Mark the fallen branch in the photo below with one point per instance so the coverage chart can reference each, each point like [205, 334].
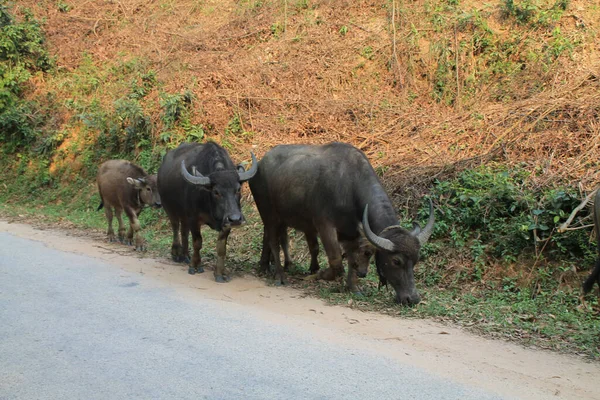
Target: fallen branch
[565, 225]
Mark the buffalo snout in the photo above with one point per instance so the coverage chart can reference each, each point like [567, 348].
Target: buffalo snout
[234, 219]
[408, 299]
[361, 273]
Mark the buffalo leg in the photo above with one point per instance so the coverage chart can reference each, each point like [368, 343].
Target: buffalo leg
[280, 277]
[351, 249]
[109, 219]
[265, 255]
[220, 275]
[134, 230]
[284, 240]
[197, 243]
[334, 255]
[118, 212]
[594, 277]
[185, 241]
[313, 247]
[176, 253]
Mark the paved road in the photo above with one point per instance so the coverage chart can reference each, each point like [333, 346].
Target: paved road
[73, 327]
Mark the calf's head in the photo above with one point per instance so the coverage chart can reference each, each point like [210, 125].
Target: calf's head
[147, 189]
[397, 254]
[225, 189]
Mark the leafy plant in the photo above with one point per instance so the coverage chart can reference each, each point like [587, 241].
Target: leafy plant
[22, 53]
[492, 215]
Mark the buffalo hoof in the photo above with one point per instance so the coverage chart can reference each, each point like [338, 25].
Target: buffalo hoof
[192, 271]
[263, 269]
[329, 274]
[222, 278]
[181, 259]
[128, 242]
[280, 280]
[141, 247]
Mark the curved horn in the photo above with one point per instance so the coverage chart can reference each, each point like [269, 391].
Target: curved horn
[244, 176]
[424, 235]
[198, 179]
[377, 241]
[416, 229]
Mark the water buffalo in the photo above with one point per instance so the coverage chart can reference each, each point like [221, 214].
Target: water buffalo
[209, 194]
[125, 186]
[329, 190]
[595, 275]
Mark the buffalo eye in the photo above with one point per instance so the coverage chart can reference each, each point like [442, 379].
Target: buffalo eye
[368, 254]
[148, 189]
[397, 262]
[216, 193]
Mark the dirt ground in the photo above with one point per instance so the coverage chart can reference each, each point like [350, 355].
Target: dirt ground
[500, 367]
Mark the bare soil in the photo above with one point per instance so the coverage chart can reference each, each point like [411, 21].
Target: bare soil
[500, 367]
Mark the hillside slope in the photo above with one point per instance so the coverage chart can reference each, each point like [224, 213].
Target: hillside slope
[412, 83]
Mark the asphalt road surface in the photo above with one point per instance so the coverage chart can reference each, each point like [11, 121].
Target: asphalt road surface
[74, 326]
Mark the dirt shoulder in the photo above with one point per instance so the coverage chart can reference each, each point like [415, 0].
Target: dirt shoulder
[497, 366]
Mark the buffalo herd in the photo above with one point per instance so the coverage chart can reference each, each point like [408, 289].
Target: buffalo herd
[329, 191]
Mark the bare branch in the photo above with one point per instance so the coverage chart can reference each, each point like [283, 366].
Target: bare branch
[565, 225]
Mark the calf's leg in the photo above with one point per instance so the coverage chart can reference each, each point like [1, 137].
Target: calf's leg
[134, 230]
[109, 219]
[118, 212]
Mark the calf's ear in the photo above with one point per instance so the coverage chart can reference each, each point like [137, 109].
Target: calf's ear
[136, 183]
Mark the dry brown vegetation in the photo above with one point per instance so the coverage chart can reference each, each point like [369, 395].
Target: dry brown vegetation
[408, 82]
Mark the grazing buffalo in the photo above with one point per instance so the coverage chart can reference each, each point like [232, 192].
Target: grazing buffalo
[199, 184]
[125, 186]
[595, 275]
[329, 190]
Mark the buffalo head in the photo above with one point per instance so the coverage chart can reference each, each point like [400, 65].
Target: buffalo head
[224, 186]
[397, 254]
[147, 189]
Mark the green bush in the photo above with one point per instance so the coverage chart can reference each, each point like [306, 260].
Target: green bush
[496, 215]
[22, 53]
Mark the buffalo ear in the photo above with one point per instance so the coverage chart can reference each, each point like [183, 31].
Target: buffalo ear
[136, 183]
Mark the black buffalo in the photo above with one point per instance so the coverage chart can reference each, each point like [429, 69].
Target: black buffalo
[199, 184]
[595, 275]
[329, 190]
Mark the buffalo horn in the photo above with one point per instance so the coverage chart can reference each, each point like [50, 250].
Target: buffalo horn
[198, 179]
[244, 176]
[377, 241]
[416, 229]
[424, 235]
